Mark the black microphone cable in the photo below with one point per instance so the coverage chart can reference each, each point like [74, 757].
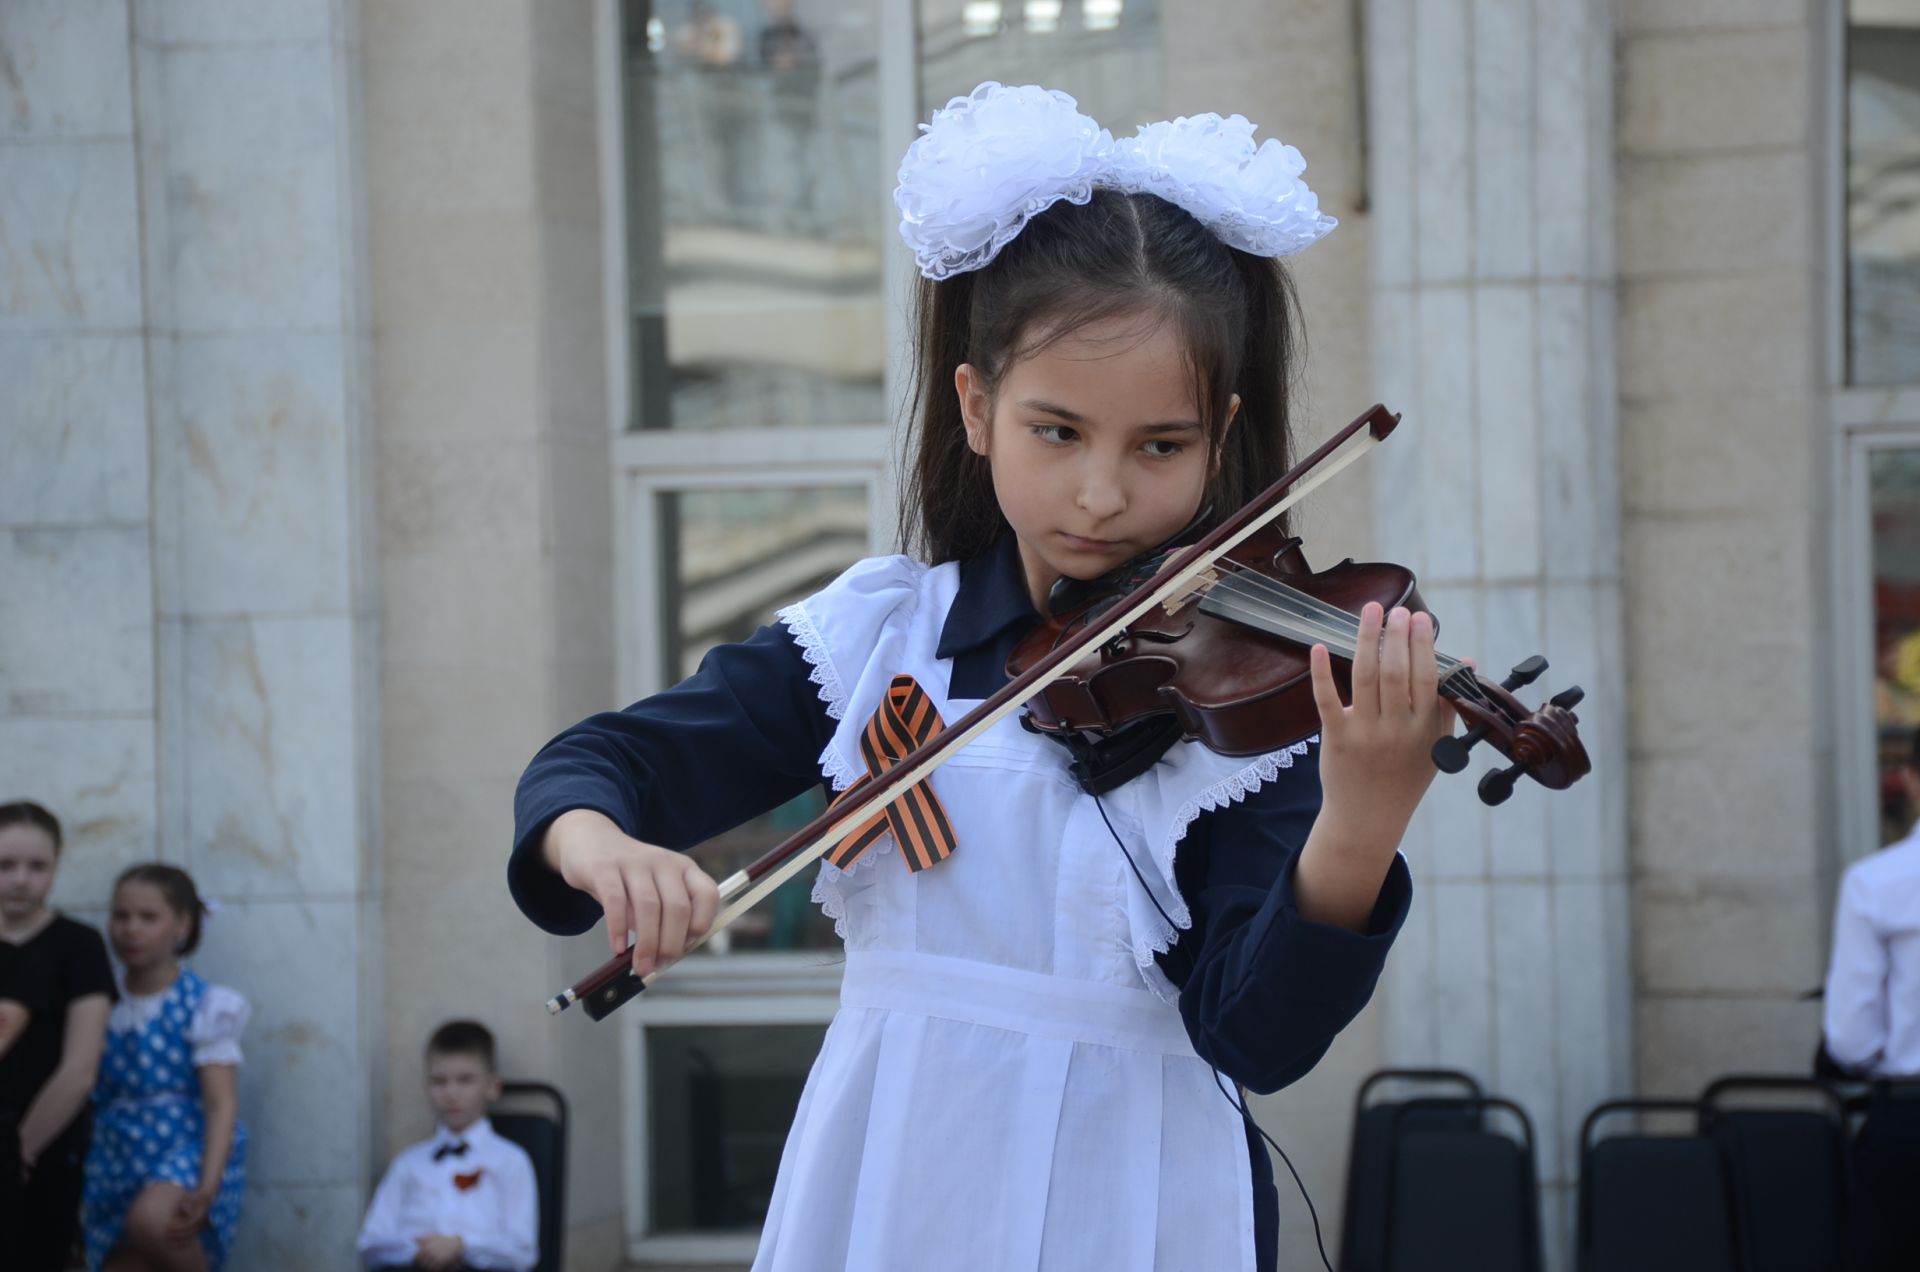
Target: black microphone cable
[1239, 1102]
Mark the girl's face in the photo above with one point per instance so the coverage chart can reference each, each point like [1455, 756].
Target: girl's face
[27, 860]
[145, 928]
[1096, 444]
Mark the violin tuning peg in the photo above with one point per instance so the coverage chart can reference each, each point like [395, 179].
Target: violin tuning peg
[1450, 752]
[1569, 698]
[1524, 673]
[1497, 786]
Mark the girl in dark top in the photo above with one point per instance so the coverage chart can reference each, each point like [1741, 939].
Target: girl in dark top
[46, 1077]
[1029, 1069]
[14, 1016]
[14, 1012]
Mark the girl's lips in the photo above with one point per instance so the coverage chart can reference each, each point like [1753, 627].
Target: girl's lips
[1089, 545]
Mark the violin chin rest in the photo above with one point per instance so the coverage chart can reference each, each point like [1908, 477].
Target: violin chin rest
[1101, 764]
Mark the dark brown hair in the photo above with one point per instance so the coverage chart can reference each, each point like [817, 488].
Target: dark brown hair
[463, 1038]
[1118, 254]
[24, 812]
[176, 885]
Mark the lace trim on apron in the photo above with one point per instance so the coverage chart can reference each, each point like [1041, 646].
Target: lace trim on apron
[1151, 934]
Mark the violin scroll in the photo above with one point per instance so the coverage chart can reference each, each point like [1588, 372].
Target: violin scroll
[1543, 744]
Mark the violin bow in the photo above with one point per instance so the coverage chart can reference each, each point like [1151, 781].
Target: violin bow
[614, 983]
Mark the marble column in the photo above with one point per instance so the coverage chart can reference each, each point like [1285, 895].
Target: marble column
[495, 531]
[268, 741]
[77, 702]
[185, 670]
[1493, 332]
[1727, 448]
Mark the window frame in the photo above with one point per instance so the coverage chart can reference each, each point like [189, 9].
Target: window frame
[1861, 420]
[822, 461]
[742, 990]
[750, 987]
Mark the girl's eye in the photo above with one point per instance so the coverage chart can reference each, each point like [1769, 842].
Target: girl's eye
[1053, 434]
[1162, 449]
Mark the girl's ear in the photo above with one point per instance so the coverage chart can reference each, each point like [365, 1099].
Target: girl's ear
[976, 406]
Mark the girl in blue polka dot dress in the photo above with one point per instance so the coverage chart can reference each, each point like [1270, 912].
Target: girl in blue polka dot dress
[168, 1162]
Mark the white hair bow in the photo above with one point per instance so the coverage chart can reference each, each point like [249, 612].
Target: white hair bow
[991, 161]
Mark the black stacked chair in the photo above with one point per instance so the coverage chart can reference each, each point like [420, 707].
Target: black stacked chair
[1654, 1203]
[1786, 1167]
[1363, 1240]
[1884, 1175]
[1461, 1194]
[544, 1135]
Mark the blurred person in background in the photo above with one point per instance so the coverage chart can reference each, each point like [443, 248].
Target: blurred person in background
[14, 1017]
[466, 1196]
[1872, 1031]
[168, 1164]
[47, 1075]
[791, 59]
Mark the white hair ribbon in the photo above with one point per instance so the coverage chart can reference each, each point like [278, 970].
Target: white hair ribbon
[991, 161]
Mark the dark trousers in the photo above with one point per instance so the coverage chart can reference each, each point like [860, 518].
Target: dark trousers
[50, 1202]
[12, 1191]
[1883, 1220]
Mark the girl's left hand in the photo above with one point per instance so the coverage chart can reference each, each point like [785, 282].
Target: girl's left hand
[1376, 756]
[189, 1214]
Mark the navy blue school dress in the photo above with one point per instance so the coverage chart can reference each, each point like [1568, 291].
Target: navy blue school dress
[149, 1126]
[1020, 1074]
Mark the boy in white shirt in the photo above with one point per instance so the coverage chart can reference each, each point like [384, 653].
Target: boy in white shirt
[466, 1197]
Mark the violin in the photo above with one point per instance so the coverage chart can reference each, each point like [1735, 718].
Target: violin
[1244, 609]
[1226, 664]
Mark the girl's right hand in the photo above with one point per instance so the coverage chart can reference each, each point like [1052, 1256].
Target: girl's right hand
[657, 894]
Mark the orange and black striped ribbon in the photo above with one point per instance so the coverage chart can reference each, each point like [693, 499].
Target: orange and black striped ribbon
[905, 719]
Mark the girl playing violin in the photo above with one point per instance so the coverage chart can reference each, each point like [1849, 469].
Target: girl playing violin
[1043, 986]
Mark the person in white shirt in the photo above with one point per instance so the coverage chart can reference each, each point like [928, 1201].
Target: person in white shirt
[466, 1197]
[1872, 1030]
[1872, 1022]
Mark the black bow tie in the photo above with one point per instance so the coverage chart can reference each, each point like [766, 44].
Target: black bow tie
[456, 1149]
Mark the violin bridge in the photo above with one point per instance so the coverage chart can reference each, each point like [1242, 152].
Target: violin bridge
[1202, 583]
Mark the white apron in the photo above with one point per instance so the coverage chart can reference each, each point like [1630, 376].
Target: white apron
[1007, 1084]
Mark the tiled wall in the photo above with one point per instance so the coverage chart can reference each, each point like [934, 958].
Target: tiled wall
[494, 525]
[187, 666]
[1491, 134]
[1722, 299]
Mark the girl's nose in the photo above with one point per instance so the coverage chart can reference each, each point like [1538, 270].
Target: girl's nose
[1100, 495]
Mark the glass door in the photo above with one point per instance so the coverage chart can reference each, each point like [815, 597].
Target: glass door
[750, 421]
[763, 321]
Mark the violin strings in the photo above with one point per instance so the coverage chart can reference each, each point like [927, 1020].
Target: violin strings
[1459, 684]
[1319, 616]
[1324, 622]
[1333, 616]
[1457, 674]
[1233, 597]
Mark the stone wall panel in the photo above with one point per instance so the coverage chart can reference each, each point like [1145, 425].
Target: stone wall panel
[63, 69]
[74, 448]
[76, 620]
